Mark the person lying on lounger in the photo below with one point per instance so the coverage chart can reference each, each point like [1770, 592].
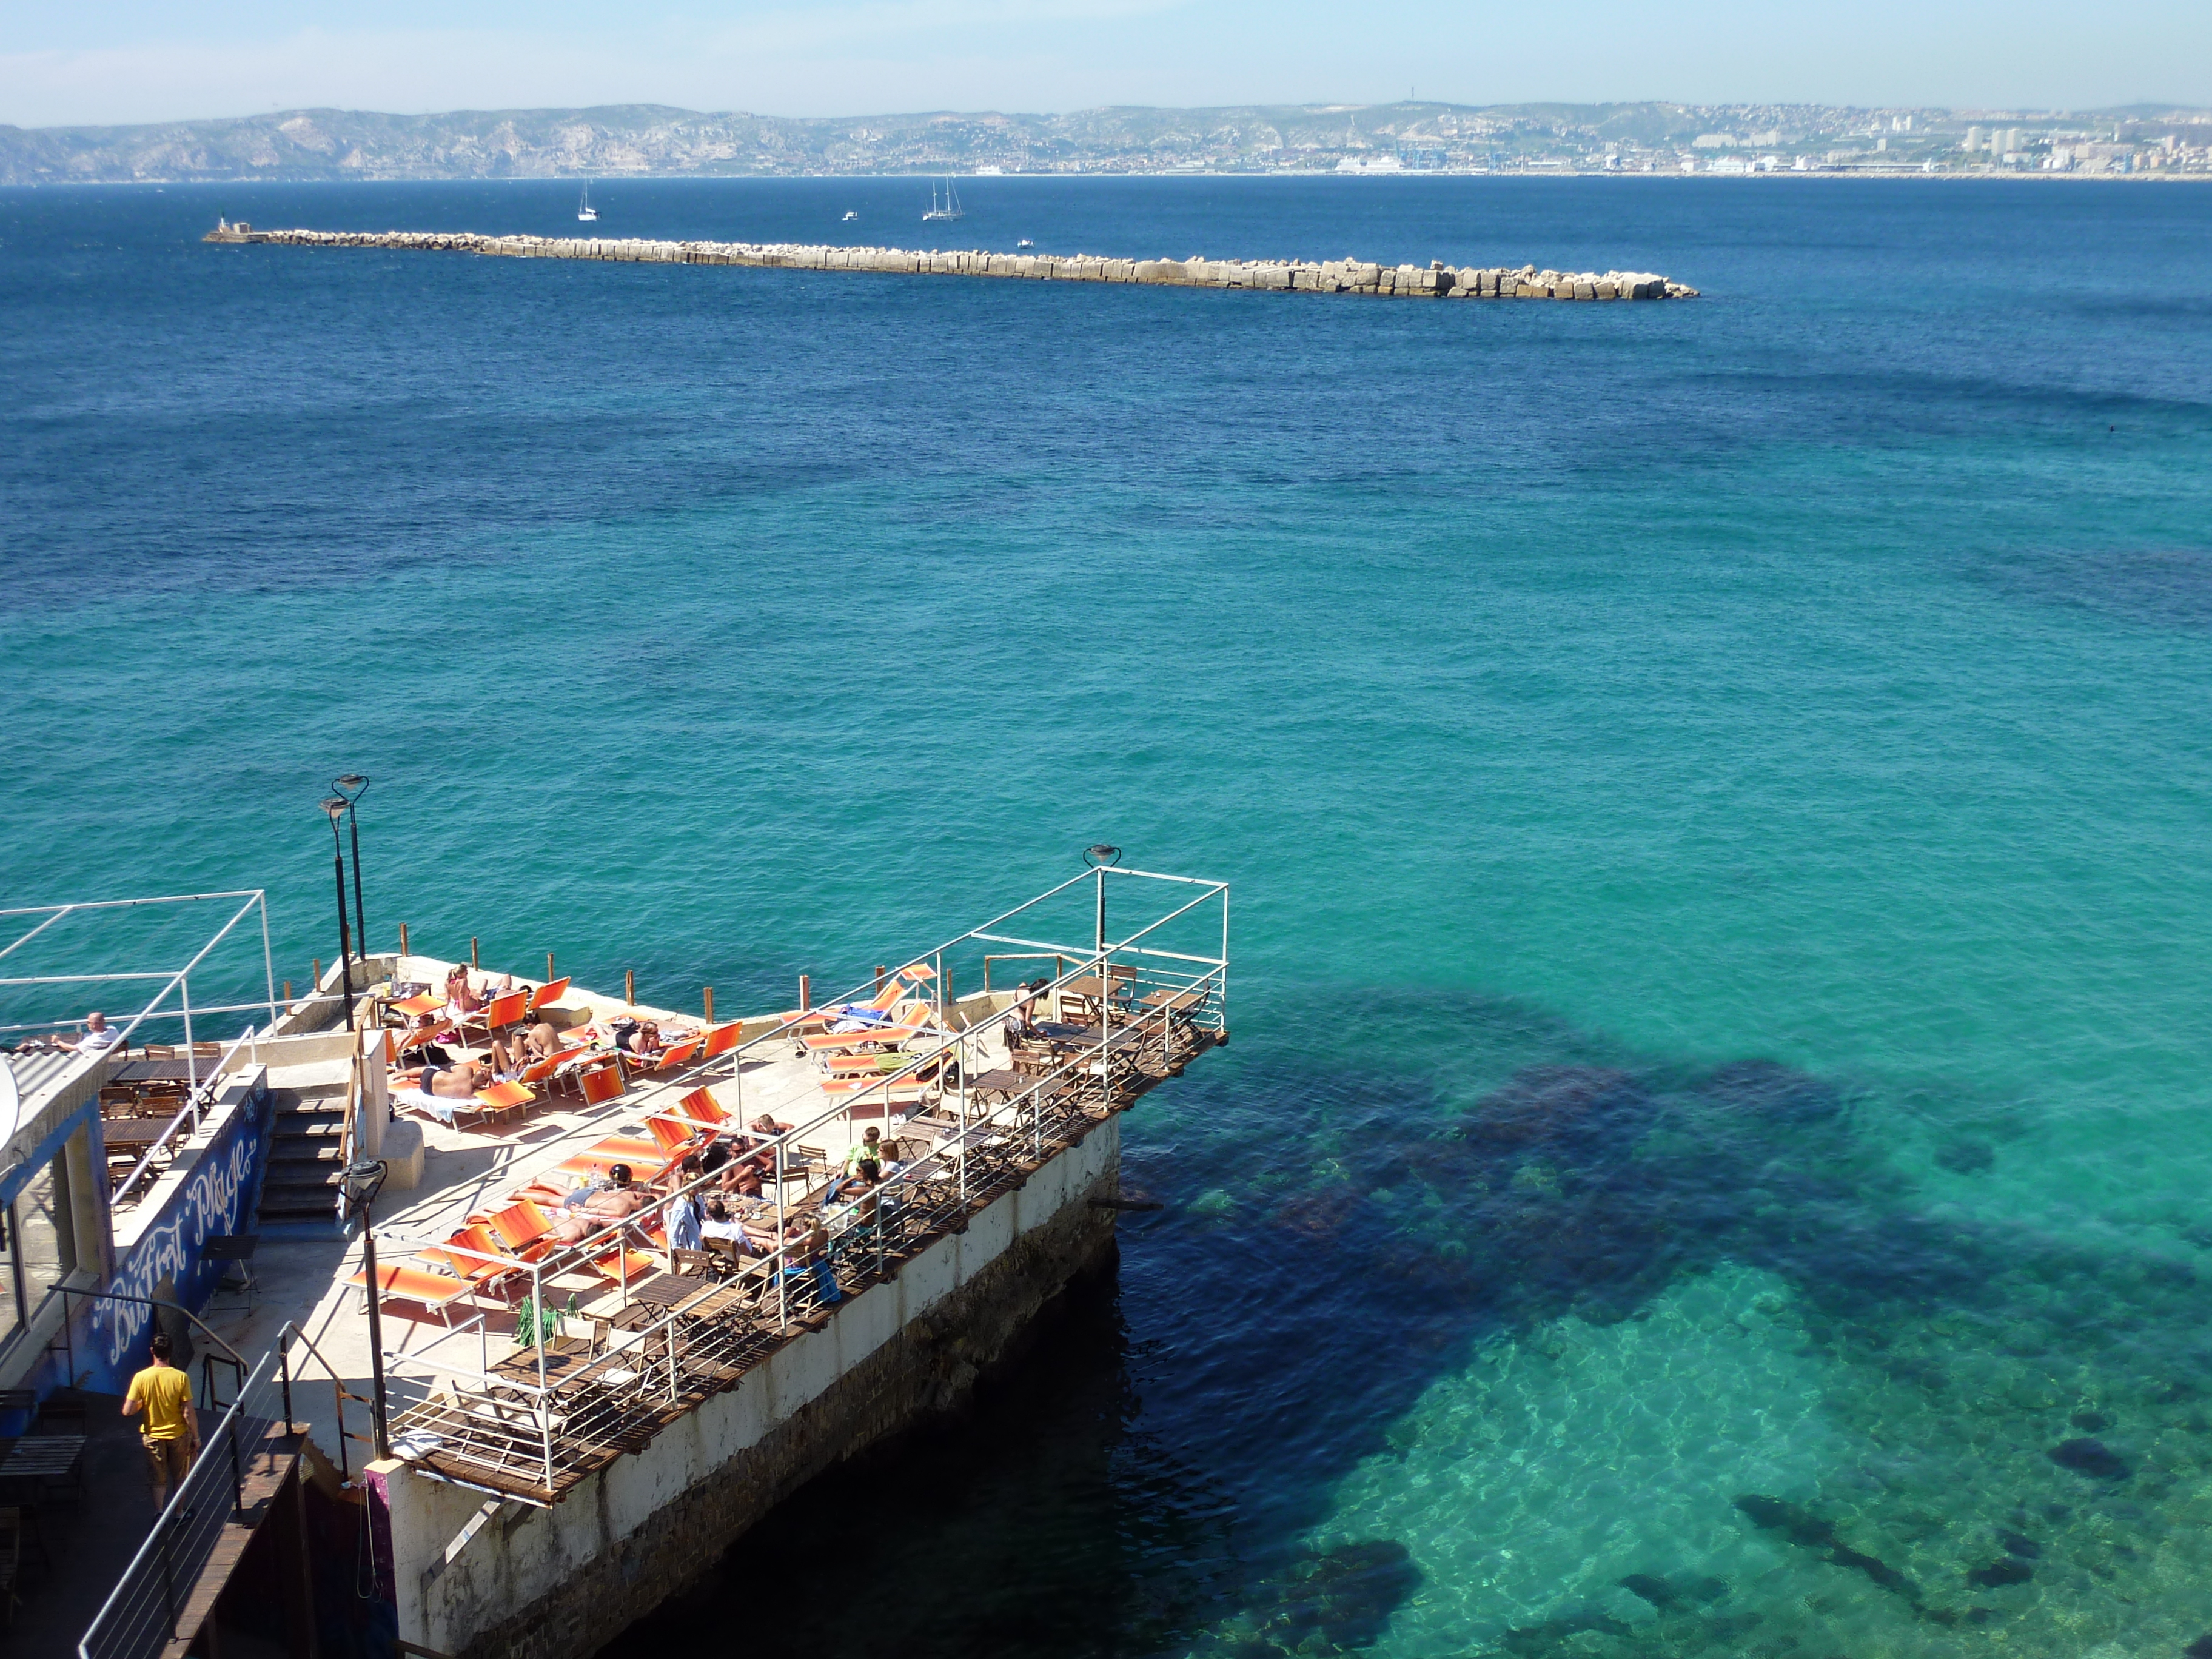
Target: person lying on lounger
[459, 1082]
[616, 1201]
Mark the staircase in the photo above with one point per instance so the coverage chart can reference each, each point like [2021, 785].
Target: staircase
[300, 1189]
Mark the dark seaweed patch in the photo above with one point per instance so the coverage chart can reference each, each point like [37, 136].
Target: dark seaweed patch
[2004, 1572]
[2026, 1548]
[2090, 1422]
[1802, 1527]
[2090, 1457]
[1967, 1156]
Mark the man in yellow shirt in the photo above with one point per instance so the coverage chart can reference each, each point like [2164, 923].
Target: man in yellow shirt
[171, 1429]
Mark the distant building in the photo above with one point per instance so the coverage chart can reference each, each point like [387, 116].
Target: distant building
[1714, 141]
[1973, 139]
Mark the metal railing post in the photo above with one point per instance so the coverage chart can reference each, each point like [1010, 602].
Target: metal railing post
[191, 1055]
[284, 1368]
[168, 1580]
[237, 1470]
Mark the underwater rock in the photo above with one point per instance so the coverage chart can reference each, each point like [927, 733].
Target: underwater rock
[2090, 1457]
[1667, 1593]
[1967, 1156]
[2006, 1572]
[1346, 1595]
[1555, 1103]
[2026, 1548]
[2200, 1648]
[1554, 1635]
[2090, 1422]
[1803, 1527]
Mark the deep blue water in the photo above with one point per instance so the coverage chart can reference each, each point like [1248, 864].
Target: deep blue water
[1715, 794]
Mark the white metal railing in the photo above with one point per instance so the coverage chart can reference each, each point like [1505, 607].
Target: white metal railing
[168, 981]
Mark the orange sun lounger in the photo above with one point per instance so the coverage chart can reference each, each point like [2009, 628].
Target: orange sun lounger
[547, 992]
[912, 1019]
[435, 1291]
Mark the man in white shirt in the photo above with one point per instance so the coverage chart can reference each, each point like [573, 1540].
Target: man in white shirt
[98, 1036]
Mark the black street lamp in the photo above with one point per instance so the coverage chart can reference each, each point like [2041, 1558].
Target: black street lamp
[362, 1181]
[1102, 857]
[336, 805]
[349, 789]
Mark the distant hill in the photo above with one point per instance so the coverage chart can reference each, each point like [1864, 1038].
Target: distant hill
[648, 139]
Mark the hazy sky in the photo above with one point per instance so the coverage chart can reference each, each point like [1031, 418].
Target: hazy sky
[142, 60]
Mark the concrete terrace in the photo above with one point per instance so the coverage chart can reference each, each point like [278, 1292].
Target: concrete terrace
[640, 1330]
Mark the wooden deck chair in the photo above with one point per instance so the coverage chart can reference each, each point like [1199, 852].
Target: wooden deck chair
[417, 1038]
[547, 992]
[906, 1091]
[437, 1292]
[537, 1071]
[601, 1084]
[719, 1041]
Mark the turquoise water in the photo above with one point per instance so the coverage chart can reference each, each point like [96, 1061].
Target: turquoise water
[1715, 795]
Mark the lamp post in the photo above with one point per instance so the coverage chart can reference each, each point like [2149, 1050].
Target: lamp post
[336, 806]
[349, 789]
[1101, 858]
[362, 1181]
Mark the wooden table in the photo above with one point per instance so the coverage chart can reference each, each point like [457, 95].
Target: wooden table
[164, 1070]
[41, 1457]
[1002, 1083]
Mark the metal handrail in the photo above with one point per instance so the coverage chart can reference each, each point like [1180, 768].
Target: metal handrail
[200, 1097]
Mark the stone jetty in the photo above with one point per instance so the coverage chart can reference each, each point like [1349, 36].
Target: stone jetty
[1434, 280]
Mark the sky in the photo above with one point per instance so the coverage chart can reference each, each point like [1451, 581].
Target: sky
[118, 61]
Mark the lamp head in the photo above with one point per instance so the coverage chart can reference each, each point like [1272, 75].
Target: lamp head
[1102, 856]
[352, 787]
[362, 1181]
[336, 806]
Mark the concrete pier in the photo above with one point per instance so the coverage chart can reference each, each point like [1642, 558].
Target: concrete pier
[1434, 280]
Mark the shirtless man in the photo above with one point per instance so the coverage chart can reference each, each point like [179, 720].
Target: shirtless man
[459, 1082]
[618, 1200]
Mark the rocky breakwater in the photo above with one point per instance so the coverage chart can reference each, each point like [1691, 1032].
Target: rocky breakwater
[1436, 281]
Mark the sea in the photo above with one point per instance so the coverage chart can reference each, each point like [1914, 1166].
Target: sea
[1714, 1151]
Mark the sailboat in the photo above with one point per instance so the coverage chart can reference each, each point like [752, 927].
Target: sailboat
[850, 216]
[586, 213]
[948, 208]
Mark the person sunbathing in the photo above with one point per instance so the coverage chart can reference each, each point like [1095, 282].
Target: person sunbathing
[421, 1044]
[459, 1082]
[541, 1040]
[616, 1201]
[461, 997]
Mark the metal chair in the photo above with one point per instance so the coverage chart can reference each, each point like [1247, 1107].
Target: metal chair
[237, 1249]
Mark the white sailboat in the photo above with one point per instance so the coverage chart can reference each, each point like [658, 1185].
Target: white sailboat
[850, 216]
[948, 207]
[586, 213]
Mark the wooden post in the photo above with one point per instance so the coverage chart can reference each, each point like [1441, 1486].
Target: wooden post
[549, 967]
[806, 993]
[880, 979]
[403, 950]
[288, 995]
[473, 962]
[629, 987]
[315, 985]
[710, 1004]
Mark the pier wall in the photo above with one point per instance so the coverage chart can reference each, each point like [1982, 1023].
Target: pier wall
[559, 1582]
[1434, 281]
